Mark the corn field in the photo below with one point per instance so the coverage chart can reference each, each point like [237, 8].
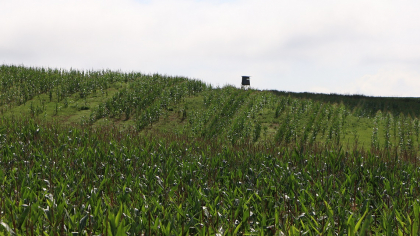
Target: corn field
[163, 155]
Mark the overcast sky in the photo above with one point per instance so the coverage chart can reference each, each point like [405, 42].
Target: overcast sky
[358, 46]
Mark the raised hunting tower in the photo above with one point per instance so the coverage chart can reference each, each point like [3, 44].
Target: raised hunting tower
[245, 82]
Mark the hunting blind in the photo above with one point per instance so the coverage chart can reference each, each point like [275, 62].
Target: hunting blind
[245, 82]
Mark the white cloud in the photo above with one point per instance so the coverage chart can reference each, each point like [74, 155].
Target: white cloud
[285, 45]
[398, 82]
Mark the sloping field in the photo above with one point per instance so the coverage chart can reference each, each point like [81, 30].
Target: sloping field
[112, 153]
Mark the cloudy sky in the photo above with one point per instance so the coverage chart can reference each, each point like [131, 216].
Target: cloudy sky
[367, 47]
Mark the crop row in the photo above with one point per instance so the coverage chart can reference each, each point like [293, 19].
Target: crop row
[146, 97]
[20, 84]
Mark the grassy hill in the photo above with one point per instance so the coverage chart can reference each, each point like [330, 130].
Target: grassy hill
[110, 152]
[155, 103]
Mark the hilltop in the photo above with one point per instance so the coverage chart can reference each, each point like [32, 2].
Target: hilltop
[156, 103]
